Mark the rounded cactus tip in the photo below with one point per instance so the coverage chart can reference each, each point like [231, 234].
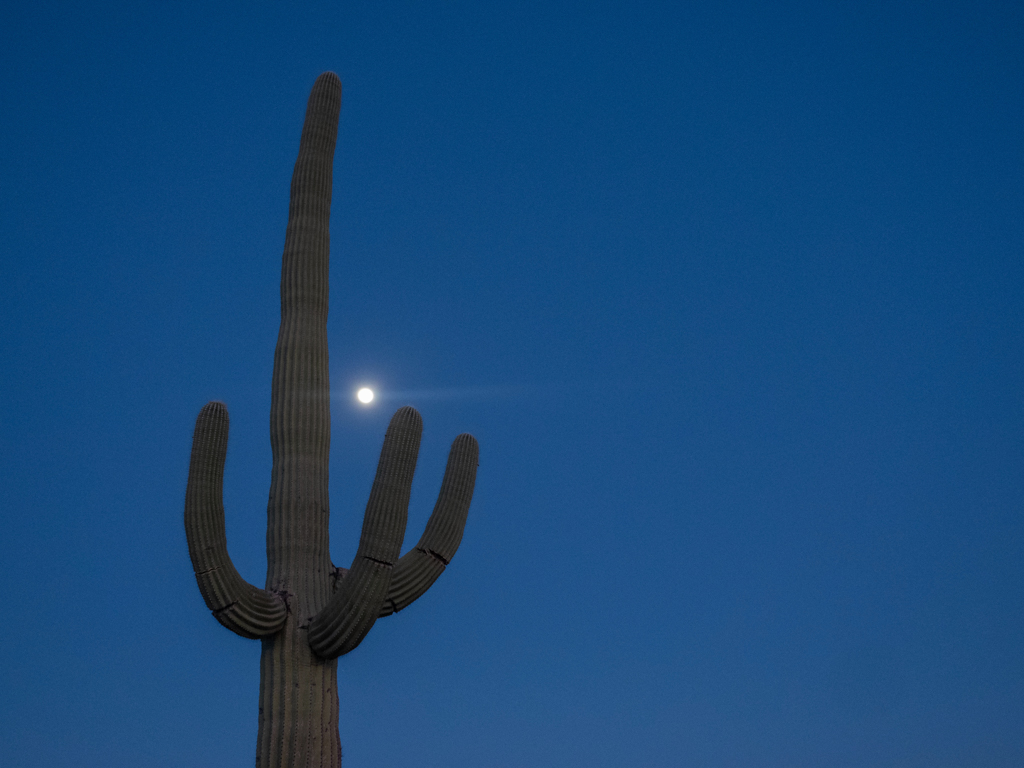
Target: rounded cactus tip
[465, 442]
[406, 413]
[327, 80]
[214, 409]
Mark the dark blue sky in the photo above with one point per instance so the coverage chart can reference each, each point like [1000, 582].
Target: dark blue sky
[730, 293]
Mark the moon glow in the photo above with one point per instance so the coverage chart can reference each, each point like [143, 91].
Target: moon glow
[365, 395]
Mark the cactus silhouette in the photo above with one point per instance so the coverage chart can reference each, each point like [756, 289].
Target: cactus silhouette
[310, 611]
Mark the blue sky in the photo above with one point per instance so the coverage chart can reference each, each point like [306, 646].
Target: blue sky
[730, 293]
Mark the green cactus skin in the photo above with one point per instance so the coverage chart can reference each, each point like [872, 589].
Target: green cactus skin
[311, 612]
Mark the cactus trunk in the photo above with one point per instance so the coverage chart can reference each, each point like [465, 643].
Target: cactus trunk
[311, 612]
[298, 712]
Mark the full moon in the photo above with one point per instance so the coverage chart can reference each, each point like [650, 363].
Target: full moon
[365, 395]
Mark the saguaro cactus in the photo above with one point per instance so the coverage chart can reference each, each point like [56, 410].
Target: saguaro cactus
[311, 612]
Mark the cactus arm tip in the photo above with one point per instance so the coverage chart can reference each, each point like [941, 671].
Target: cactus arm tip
[419, 568]
[239, 606]
[353, 608]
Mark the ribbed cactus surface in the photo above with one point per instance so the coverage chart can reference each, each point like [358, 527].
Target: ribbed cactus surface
[310, 612]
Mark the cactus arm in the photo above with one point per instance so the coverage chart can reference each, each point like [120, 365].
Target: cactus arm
[238, 605]
[353, 608]
[418, 568]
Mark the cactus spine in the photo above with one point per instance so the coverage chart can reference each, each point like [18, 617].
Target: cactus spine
[311, 612]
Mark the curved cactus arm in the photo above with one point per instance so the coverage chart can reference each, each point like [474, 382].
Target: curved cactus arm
[353, 608]
[419, 568]
[238, 605]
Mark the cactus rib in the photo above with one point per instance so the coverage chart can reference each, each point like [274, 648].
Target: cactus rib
[239, 606]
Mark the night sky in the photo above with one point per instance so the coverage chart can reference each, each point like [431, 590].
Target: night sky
[730, 294]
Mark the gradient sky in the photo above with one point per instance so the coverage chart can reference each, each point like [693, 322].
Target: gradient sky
[730, 293]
